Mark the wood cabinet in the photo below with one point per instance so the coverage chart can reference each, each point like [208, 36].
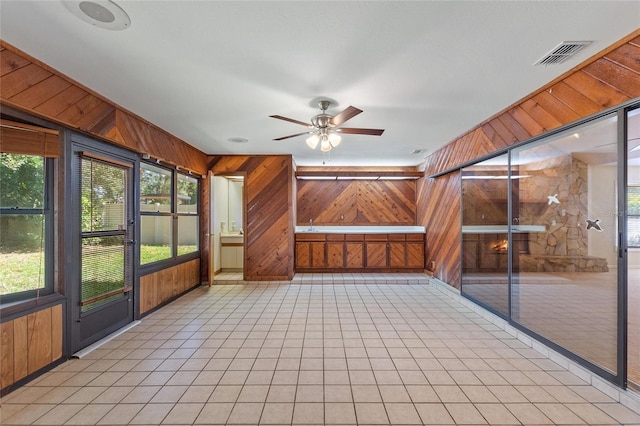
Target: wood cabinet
[359, 252]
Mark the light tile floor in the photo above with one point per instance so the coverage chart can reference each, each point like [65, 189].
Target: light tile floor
[293, 354]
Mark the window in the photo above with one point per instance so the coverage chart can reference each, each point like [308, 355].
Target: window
[633, 216]
[168, 214]
[25, 226]
[187, 199]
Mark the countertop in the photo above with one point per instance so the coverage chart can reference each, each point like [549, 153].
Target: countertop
[361, 230]
[501, 229]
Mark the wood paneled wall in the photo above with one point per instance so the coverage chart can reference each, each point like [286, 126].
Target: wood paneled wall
[29, 343]
[356, 202]
[158, 287]
[439, 211]
[610, 78]
[269, 197]
[31, 86]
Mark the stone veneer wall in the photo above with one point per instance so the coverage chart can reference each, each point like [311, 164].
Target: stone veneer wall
[566, 234]
[564, 245]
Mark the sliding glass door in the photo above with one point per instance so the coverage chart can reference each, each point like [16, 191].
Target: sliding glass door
[633, 248]
[564, 212]
[551, 241]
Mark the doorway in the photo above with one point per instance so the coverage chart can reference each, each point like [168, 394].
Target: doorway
[103, 217]
[228, 242]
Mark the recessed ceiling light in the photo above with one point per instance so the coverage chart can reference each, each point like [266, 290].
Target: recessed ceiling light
[100, 13]
[238, 140]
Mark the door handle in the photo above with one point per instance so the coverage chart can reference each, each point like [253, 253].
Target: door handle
[129, 241]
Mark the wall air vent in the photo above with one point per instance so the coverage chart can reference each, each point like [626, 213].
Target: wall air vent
[562, 52]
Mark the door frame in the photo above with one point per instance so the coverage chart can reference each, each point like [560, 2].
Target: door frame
[76, 143]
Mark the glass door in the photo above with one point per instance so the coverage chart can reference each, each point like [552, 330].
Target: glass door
[565, 278]
[103, 291]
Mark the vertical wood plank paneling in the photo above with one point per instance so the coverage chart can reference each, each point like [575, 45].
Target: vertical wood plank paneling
[20, 348]
[6, 355]
[39, 339]
[56, 332]
[158, 287]
[30, 343]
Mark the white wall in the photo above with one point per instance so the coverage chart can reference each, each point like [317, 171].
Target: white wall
[219, 209]
[633, 256]
[602, 200]
[602, 205]
[235, 205]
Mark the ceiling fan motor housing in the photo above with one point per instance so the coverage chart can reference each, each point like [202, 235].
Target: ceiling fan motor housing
[321, 120]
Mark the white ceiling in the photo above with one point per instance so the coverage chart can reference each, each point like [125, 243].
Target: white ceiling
[426, 71]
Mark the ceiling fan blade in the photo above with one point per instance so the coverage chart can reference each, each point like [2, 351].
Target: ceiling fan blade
[291, 120]
[292, 136]
[354, 131]
[345, 115]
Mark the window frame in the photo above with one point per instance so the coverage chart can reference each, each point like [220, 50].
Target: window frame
[174, 259]
[47, 212]
[636, 216]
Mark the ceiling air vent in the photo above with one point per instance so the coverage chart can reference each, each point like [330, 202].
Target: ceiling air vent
[418, 151]
[562, 52]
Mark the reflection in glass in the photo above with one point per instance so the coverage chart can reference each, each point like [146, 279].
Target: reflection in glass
[633, 254]
[484, 233]
[564, 282]
[155, 188]
[103, 197]
[187, 194]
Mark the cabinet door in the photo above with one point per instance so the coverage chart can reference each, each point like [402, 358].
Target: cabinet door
[335, 254]
[355, 258]
[397, 257]
[303, 255]
[240, 257]
[318, 259]
[376, 254]
[227, 257]
[415, 255]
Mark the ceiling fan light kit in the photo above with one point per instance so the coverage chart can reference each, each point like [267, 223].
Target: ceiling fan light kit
[325, 127]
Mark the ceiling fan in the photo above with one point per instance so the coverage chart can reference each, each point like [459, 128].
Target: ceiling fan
[325, 128]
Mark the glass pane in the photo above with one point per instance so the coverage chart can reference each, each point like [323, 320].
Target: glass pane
[187, 194]
[21, 181]
[21, 252]
[103, 196]
[155, 188]
[156, 238]
[564, 284]
[633, 254]
[103, 270]
[484, 233]
[187, 234]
